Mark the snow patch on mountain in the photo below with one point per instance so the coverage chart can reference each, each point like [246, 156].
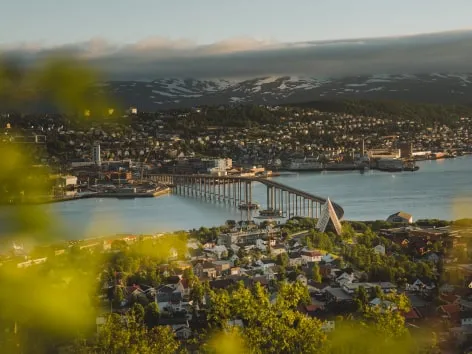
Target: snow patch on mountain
[164, 93]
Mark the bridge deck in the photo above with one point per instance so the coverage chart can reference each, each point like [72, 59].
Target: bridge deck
[269, 183]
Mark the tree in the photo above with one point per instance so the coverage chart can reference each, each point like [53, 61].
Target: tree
[197, 292]
[282, 259]
[378, 293]
[151, 315]
[316, 273]
[361, 298]
[119, 335]
[220, 308]
[137, 311]
[118, 297]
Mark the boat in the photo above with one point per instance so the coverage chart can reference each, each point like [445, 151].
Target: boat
[411, 168]
[271, 213]
[249, 206]
[341, 166]
[306, 164]
[390, 165]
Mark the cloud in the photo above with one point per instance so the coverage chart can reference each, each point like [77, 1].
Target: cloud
[246, 57]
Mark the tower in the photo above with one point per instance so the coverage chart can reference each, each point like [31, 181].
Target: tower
[96, 154]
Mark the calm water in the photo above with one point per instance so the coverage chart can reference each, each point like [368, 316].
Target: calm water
[440, 189]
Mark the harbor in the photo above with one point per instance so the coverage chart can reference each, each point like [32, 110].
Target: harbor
[439, 189]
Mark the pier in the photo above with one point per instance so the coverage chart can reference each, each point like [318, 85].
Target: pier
[237, 190]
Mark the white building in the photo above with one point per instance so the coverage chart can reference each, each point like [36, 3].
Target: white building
[379, 249]
[68, 180]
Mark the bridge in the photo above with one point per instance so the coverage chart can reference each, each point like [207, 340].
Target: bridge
[238, 191]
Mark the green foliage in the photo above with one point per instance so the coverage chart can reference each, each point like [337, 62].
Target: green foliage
[124, 335]
[118, 297]
[316, 273]
[282, 260]
[270, 328]
[137, 311]
[361, 298]
[151, 315]
[320, 240]
[395, 110]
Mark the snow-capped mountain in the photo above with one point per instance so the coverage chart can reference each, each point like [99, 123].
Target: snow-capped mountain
[174, 93]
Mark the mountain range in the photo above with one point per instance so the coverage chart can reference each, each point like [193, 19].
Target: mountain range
[178, 93]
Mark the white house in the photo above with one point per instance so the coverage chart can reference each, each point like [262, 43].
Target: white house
[419, 285]
[311, 256]
[328, 326]
[379, 249]
[383, 304]
[182, 331]
[219, 251]
[345, 278]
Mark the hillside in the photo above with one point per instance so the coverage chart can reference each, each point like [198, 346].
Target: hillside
[176, 93]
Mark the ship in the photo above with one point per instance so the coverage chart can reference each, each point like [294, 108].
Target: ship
[248, 206]
[341, 167]
[306, 164]
[390, 165]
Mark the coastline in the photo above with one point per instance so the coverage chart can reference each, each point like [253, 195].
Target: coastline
[100, 195]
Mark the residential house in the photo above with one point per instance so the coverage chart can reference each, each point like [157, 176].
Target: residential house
[235, 271]
[383, 304]
[336, 295]
[205, 270]
[345, 278]
[466, 318]
[450, 312]
[179, 325]
[379, 249]
[295, 259]
[420, 285]
[401, 217]
[328, 326]
[278, 249]
[311, 255]
[219, 251]
[222, 267]
[413, 315]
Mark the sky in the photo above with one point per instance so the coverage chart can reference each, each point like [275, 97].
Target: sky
[180, 37]
[206, 21]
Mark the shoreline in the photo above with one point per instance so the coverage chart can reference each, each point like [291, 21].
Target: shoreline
[98, 195]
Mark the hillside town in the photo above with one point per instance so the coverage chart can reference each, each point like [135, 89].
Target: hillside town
[266, 136]
[366, 266]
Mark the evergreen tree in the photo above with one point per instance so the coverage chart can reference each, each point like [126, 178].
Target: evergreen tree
[316, 273]
[151, 315]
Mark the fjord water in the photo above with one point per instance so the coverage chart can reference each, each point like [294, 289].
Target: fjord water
[440, 189]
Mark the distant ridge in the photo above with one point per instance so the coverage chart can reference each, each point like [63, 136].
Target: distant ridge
[182, 93]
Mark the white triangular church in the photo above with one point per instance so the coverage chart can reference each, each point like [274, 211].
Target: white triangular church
[328, 213]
